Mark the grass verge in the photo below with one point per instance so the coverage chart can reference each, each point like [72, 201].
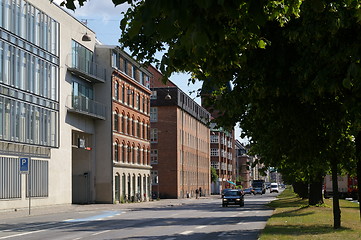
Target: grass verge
[294, 219]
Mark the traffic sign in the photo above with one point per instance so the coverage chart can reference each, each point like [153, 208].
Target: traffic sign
[24, 164]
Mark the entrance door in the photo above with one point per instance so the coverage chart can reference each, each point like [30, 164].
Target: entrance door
[117, 188]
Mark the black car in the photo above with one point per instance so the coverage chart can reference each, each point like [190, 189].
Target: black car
[258, 191]
[248, 191]
[225, 190]
[233, 197]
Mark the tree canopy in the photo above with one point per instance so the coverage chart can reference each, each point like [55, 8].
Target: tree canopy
[295, 67]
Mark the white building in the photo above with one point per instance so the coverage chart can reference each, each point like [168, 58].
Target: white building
[55, 108]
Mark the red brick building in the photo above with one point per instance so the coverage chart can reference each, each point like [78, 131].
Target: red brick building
[130, 128]
[179, 142]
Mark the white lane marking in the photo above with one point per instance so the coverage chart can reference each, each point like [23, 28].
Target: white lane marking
[97, 233]
[186, 232]
[32, 226]
[200, 227]
[38, 231]
[243, 223]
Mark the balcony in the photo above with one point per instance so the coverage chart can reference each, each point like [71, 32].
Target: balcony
[85, 106]
[85, 69]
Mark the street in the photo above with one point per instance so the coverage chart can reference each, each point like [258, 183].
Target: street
[203, 218]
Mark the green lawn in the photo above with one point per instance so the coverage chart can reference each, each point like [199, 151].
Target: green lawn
[293, 219]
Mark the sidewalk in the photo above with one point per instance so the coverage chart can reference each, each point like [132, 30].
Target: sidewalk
[53, 209]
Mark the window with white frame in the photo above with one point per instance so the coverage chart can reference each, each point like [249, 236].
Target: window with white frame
[154, 175]
[154, 135]
[215, 165]
[153, 156]
[214, 152]
[214, 138]
[153, 114]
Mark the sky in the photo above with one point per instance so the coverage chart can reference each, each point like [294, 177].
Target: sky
[103, 18]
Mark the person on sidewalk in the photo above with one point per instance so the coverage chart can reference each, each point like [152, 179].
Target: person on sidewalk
[197, 193]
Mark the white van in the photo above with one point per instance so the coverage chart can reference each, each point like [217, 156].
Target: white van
[274, 187]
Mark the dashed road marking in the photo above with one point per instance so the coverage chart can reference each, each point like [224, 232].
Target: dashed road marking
[186, 232]
[200, 227]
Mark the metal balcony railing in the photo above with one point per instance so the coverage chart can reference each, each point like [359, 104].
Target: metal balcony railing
[86, 106]
[85, 68]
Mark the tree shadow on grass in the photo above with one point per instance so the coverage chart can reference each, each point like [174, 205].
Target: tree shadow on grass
[288, 203]
[292, 213]
[298, 230]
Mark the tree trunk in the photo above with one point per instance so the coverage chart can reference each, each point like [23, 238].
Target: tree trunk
[358, 159]
[315, 196]
[301, 189]
[335, 200]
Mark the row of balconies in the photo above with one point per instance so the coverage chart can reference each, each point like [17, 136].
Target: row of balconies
[224, 166]
[91, 72]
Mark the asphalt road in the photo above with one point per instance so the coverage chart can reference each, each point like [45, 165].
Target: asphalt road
[194, 219]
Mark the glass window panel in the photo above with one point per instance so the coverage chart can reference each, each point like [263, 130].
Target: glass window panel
[2, 60]
[7, 55]
[2, 116]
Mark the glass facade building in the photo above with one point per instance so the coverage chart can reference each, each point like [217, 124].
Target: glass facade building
[29, 75]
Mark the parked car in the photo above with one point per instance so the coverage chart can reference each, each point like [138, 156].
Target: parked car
[233, 197]
[258, 190]
[248, 191]
[274, 188]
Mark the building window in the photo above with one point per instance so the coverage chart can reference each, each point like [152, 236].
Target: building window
[129, 92]
[153, 114]
[138, 102]
[145, 133]
[124, 124]
[214, 139]
[129, 155]
[154, 175]
[82, 58]
[116, 90]
[134, 99]
[124, 153]
[134, 72]
[116, 121]
[215, 165]
[116, 153]
[138, 129]
[123, 94]
[10, 179]
[214, 152]
[125, 66]
[154, 156]
[143, 103]
[139, 156]
[154, 95]
[129, 131]
[39, 179]
[154, 135]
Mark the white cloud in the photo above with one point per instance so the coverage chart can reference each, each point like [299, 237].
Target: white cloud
[103, 10]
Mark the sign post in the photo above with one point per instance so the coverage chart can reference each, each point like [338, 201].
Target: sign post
[25, 169]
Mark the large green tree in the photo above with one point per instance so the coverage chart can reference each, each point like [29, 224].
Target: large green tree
[317, 47]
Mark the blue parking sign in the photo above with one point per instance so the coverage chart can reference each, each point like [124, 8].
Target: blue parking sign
[24, 164]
